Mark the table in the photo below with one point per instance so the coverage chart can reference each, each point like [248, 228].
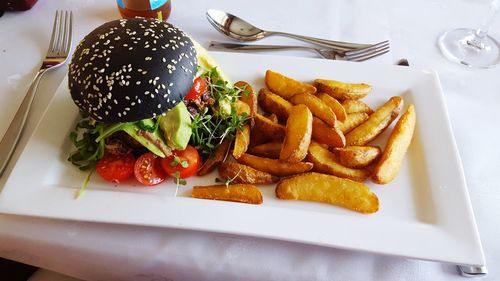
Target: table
[94, 251]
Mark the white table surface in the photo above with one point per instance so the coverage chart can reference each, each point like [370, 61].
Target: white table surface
[94, 251]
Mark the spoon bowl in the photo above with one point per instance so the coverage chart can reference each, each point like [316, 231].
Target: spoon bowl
[234, 27]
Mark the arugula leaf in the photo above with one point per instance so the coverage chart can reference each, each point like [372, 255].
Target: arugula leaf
[88, 150]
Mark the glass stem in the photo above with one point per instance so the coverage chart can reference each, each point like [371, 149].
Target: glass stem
[477, 40]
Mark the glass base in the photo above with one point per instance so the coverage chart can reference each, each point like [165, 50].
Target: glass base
[460, 45]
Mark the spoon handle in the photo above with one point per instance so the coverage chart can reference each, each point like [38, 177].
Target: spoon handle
[343, 46]
[242, 47]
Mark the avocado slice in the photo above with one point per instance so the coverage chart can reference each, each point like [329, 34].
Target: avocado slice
[152, 140]
[176, 126]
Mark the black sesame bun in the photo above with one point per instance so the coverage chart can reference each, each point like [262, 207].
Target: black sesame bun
[131, 69]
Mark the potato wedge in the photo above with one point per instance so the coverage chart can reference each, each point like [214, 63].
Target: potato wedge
[243, 193]
[241, 141]
[274, 166]
[329, 189]
[273, 117]
[240, 173]
[397, 145]
[331, 136]
[334, 104]
[353, 106]
[242, 107]
[357, 156]
[249, 97]
[376, 123]
[341, 90]
[318, 107]
[352, 121]
[297, 134]
[272, 103]
[257, 137]
[268, 150]
[325, 161]
[285, 86]
[270, 129]
[216, 158]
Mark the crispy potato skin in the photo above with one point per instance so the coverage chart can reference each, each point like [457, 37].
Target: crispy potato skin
[240, 173]
[397, 145]
[376, 123]
[249, 97]
[298, 132]
[341, 90]
[334, 104]
[357, 156]
[331, 136]
[317, 107]
[243, 193]
[268, 150]
[352, 121]
[273, 118]
[241, 141]
[257, 138]
[286, 86]
[242, 107]
[328, 189]
[215, 159]
[274, 166]
[270, 129]
[272, 103]
[353, 106]
[326, 162]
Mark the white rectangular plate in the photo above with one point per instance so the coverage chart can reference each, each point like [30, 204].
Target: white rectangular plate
[425, 212]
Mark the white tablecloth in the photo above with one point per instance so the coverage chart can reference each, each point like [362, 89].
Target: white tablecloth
[96, 251]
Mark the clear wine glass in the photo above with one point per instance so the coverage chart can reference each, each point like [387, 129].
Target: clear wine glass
[473, 47]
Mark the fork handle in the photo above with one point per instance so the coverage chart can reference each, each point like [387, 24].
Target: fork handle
[243, 47]
[16, 127]
[343, 46]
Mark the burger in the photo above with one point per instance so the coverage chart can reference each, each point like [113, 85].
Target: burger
[145, 85]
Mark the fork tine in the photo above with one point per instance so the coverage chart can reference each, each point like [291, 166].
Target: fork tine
[52, 37]
[367, 52]
[58, 34]
[379, 45]
[370, 55]
[64, 43]
[70, 32]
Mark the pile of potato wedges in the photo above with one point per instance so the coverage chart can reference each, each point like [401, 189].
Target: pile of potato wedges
[313, 141]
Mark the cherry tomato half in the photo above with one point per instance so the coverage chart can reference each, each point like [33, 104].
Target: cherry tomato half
[147, 169]
[199, 88]
[116, 168]
[186, 162]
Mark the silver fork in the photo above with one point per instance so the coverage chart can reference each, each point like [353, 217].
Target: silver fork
[60, 45]
[357, 55]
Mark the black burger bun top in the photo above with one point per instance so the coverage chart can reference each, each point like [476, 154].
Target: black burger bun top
[131, 69]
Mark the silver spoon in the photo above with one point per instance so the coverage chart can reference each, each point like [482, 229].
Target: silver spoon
[238, 29]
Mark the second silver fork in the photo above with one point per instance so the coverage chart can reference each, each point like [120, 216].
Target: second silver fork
[327, 53]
